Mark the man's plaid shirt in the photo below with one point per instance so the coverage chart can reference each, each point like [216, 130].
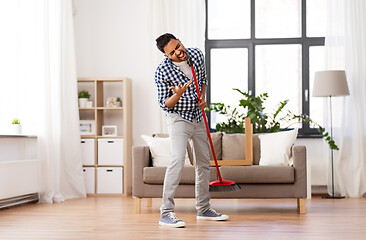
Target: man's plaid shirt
[169, 75]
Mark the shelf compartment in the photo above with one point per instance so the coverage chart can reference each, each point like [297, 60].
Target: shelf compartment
[89, 178]
[110, 151]
[88, 151]
[87, 86]
[110, 180]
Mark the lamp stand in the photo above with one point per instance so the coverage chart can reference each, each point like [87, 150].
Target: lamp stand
[331, 137]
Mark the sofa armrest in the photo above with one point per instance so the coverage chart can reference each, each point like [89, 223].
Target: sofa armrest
[299, 157]
[140, 159]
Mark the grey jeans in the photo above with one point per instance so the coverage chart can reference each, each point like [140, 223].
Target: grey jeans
[180, 130]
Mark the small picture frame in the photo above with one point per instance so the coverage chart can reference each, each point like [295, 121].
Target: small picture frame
[87, 127]
[110, 130]
[110, 102]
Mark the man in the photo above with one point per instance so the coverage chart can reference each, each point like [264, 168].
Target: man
[177, 96]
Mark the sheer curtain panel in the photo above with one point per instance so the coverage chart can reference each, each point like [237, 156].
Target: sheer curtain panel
[39, 87]
[346, 50]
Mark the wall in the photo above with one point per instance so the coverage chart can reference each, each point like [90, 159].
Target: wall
[317, 165]
[113, 39]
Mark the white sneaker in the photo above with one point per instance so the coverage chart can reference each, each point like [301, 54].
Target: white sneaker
[211, 214]
[170, 220]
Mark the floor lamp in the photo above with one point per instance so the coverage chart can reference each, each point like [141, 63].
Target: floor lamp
[330, 84]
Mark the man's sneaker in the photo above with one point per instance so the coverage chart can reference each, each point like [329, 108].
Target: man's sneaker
[170, 220]
[211, 214]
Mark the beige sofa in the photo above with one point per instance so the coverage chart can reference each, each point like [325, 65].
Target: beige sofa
[256, 181]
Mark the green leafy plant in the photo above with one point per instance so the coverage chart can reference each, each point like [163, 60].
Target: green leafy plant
[305, 119]
[84, 94]
[15, 121]
[118, 99]
[253, 107]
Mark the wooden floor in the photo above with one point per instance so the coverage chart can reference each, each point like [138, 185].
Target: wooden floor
[114, 218]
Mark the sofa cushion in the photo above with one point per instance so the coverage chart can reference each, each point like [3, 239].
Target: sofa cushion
[217, 143]
[258, 174]
[155, 175]
[233, 146]
[256, 149]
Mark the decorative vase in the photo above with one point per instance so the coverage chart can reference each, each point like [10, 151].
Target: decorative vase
[83, 102]
[16, 128]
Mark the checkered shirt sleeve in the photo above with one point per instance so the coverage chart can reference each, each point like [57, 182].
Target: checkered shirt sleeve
[168, 75]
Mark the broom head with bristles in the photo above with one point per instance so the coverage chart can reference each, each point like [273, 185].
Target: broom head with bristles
[224, 186]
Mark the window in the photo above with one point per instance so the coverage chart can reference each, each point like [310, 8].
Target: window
[259, 46]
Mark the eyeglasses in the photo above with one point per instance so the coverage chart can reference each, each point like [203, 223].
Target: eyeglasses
[176, 48]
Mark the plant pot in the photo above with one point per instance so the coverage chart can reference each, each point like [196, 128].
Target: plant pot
[83, 102]
[16, 128]
[89, 104]
[118, 104]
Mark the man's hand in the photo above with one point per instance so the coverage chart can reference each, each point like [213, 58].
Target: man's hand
[179, 90]
[202, 104]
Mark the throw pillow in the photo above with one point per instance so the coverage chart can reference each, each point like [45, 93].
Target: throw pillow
[160, 151]
[189, 146]
[216, 141]
[233, 146]
[276, 148]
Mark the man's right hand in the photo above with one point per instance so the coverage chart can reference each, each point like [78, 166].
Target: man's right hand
[179, 89]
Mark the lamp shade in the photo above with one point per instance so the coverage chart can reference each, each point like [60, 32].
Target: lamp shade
[330, 83]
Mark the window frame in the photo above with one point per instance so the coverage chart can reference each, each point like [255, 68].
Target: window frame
[251, 43]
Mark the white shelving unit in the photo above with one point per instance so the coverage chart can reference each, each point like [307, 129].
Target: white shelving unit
[107, 159]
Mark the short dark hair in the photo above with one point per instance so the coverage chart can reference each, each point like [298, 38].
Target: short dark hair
[163, 40]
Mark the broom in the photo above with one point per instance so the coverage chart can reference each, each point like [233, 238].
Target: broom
[219, 185]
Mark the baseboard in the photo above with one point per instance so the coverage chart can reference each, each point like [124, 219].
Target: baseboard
[319, 190]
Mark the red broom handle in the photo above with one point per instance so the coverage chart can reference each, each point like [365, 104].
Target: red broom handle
[207, 128]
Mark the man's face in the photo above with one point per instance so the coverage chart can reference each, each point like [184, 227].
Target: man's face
[175, 51]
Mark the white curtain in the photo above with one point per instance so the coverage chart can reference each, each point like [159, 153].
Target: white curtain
[345, 45]
[40, 75]
[184, 19]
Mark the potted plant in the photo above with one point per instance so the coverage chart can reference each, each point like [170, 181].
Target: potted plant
[83, 98]
[253, 107]
[118, 103]
[16, 126]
